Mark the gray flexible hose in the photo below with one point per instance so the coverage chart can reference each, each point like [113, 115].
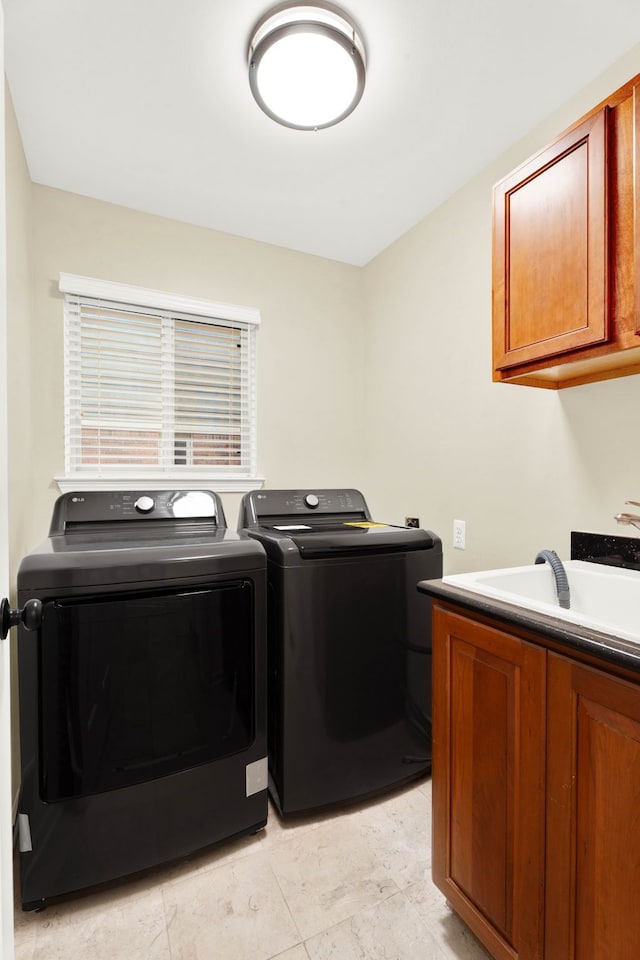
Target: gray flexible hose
[560, 574]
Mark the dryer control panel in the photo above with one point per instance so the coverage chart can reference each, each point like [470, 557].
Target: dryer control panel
[119, 506]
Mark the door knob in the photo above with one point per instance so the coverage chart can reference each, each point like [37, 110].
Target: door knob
[30, 616]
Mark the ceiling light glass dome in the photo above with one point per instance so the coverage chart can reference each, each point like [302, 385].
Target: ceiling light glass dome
[306, 66]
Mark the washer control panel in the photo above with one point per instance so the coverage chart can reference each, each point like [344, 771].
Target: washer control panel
[282, 503]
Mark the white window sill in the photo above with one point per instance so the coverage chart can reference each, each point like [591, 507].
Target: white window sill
[194, 482]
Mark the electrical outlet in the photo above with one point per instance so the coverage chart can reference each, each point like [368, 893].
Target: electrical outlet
[459, 534]
[411, 522]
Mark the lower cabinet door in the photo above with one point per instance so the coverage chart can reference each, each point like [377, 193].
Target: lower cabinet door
[489, 782]
[593, 821]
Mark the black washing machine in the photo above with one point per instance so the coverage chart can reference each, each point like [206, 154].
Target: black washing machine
[142, 690]
[349, 646]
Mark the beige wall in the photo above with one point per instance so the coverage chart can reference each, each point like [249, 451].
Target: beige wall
[19, 374]
[19, 345]
[522, 466]
[309, 344]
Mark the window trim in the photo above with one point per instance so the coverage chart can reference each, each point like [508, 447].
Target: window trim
[131, 478]
[155, 299]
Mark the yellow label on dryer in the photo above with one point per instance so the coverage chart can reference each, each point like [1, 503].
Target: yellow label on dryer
[364, 524]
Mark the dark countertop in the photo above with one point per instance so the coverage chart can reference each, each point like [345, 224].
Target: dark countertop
[572, 636]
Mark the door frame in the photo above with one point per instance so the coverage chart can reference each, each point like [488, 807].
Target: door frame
[6, 815]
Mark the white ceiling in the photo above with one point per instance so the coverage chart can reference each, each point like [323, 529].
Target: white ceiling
[146, 103]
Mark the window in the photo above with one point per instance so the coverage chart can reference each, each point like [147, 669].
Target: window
[157, 386]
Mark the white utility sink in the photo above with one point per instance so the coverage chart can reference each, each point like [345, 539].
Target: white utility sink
[602, 598]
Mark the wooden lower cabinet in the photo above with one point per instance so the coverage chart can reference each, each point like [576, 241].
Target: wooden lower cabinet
[488, 782]
[593, 822]
[536, 795]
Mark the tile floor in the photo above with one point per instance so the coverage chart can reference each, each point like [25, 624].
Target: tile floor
[350, 885]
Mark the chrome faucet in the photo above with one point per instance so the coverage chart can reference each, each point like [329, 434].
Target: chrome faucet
[631, 518]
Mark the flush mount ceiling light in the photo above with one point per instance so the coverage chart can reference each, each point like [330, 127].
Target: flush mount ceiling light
[306, 66]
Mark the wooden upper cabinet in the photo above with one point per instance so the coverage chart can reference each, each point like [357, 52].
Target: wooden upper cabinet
[551, 253]
[634, 213]
[566, 267]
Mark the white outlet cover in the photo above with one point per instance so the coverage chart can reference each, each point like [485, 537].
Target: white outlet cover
[459, 534]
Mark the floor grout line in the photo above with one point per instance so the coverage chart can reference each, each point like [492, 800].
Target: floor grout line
[286, 903]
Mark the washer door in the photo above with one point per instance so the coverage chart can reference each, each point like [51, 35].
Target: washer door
[138, 686]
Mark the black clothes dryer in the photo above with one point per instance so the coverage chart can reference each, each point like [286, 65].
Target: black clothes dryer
[349, 646]
[143, 692]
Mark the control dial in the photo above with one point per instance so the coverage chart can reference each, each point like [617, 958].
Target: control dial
[145, 504]
[311, 501]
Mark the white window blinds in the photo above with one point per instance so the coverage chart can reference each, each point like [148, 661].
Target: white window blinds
[153, 391]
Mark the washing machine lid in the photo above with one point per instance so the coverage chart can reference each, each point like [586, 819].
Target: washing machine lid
[323, 523]
[355, 538]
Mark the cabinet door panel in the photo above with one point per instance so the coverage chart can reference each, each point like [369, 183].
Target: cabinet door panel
[551, 250]
[488, 781]
[482, 692]
[593, 825]
[634, 226]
